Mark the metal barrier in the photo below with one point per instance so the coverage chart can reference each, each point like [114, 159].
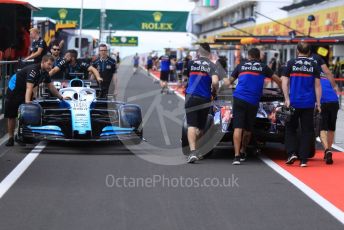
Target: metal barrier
[8, 68]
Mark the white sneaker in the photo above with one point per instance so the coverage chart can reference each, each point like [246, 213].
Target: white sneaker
[192, 158]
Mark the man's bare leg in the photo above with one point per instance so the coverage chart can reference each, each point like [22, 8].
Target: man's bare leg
[11, 125]
[192, 137]
[324, 139]
[246, 138]
[330, 138]
[237, 137]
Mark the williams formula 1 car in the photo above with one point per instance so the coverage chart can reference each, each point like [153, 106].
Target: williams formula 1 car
[82, 118]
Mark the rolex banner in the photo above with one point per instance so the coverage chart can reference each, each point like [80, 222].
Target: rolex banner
[123, 40]
[167, 21]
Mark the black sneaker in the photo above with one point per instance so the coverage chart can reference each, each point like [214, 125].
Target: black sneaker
[303, 163]
[236, 160]
[10, 142]
[192, 157]
[328, 157]
[291, 159]
[243, 157]
[325, 153]
[19, 141]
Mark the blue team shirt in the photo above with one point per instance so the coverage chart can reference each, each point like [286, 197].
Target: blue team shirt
[302, 72]
[251, 75]
[179, 65]
[136, 60]
[328, 94]
[165, 63]
[149, 61]
[200, 74]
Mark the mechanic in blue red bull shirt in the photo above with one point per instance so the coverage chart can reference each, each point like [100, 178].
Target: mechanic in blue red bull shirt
[302, 90]
[329, 111]
[179, 70]
[251, 75]
[329, 107]
[149, 63]
[136, 61]
[325, 70]
[203, 79]
[165, 63]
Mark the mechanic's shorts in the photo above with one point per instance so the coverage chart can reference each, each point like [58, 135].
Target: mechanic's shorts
[12, 103]
[329, 116]
[244, 114]
[197, 110]
[164, 75]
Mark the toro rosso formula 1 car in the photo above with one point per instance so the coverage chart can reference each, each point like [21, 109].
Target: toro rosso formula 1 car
[82, 118]
[269, 125]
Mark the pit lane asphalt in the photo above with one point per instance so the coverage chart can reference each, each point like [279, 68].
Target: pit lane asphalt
[66, 187]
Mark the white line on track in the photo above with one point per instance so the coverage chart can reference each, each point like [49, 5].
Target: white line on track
[181, 96]
[11, 178]
[3, 139]
[313, 195]
[316, 197]
[336, 147]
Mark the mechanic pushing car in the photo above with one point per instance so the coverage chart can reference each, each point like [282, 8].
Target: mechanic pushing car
[329, 111]
[107, 69]
[301, 89]
[246, 97]
[203, 79]
[329, 107]
[70, 65]
[20, 90]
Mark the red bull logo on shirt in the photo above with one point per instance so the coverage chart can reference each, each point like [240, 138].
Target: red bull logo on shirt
[303, 69]
[200, 68]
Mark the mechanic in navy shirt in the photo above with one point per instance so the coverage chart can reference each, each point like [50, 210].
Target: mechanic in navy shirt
[20, 90]
[38, 46]
[55, 53]
[202, 80]
[251, 75]
[302, 91]
[70, 65]
[329, 111]
[107, 69]
[165, 63]
[325, 70]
